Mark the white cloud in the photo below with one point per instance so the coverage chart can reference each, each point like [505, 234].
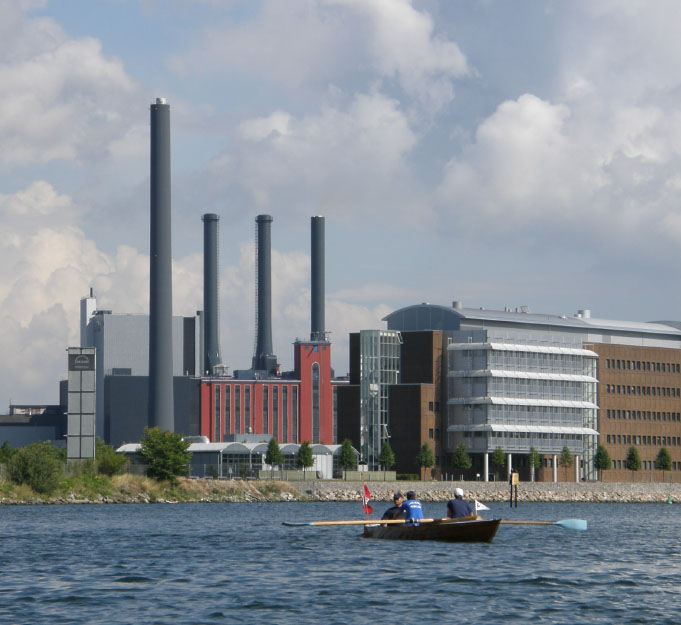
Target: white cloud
[60, 98]
[403, 46]
[343, 158]
[310, 41]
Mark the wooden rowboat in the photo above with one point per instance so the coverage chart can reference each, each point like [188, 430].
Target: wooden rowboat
[473, 531]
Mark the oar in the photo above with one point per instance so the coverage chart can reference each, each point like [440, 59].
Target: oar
[568, 524]
[369, 522]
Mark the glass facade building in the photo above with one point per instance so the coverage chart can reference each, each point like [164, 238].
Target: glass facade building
[379, 368]
[522, 392]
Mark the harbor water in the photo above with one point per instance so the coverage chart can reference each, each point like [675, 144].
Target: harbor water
[235, 563]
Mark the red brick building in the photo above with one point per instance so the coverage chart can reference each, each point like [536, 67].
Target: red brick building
[290, 409]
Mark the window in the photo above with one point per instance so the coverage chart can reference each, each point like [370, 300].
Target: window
[430, 406]
[284, 414]
[294, 414]
[237, 409]
[430, 433]
[216, 408]
[315, 402]
[266, 409]
[228, 412]
[247, 409]
[275, 412]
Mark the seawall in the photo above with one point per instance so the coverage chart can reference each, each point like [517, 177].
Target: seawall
[587, 492]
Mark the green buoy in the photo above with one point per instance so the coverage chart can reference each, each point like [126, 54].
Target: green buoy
[669, 499]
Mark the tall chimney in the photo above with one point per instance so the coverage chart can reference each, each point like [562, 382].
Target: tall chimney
[263, 358]
[317, 332]
[210, 292]
[161, 413]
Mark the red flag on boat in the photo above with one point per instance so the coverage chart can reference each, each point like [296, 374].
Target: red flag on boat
[366, 498]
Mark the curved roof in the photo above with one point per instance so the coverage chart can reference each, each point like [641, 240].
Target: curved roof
[436, 317]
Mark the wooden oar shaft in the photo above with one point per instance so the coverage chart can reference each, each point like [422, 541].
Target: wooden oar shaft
[369, 522]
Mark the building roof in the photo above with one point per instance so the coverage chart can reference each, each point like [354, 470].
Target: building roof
[437, 317]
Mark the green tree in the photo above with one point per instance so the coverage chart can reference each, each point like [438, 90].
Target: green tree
[498, 458]
[602, 460]
[535, 461]
[663, 462]
[6, 452]
[108, 461]
[387, 458]
[348, 458]
[305, 460]
[461, 461]
[165, 454]
[633, 460]
[425, 458]
[273, 457]
[565, 460]
[39, 465]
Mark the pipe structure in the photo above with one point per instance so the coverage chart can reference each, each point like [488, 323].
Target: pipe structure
[161, 411]
[263, 358]
[210, 293]
[317, 288]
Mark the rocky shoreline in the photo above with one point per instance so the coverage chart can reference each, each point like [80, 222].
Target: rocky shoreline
[560, 492]
[226, 491]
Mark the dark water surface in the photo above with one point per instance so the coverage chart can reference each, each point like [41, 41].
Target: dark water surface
[229, 563]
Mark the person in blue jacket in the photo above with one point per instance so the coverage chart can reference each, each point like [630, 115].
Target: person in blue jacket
[412, 509]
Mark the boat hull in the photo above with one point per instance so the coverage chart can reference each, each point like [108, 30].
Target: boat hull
[447, 531]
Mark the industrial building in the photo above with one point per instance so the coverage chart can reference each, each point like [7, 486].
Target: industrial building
[166, 371]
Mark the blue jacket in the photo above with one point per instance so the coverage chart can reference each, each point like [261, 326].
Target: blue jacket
[412, 510]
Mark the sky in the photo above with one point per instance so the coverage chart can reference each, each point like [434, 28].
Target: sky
[496, 153]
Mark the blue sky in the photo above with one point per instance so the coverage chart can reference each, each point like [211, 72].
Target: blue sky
[498, 153]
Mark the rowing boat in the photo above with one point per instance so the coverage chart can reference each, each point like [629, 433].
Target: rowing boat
[473, 531]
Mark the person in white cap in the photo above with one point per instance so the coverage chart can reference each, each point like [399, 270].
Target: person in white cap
[457, 508]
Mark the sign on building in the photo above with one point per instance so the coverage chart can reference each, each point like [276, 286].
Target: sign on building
[81, 404]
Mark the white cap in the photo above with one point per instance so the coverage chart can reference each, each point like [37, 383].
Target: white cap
[458, 492]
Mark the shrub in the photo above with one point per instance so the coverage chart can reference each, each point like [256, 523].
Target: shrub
[165, 454]
[39, 466]
[108, 461]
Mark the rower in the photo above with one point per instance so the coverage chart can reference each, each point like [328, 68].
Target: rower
[412, 509]
[396, 511]
[457, 508]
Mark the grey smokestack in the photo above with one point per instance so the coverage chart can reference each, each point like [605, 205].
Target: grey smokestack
[160, 279]
[263, 358]
[317, 332]
[210, 292]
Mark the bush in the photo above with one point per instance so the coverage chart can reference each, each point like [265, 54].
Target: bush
[165, 454]
[39, 466]
[108, 461]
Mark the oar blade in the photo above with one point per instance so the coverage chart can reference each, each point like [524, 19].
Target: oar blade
[292, 524]
[572, 524]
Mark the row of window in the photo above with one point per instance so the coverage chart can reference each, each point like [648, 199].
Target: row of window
[643, 415]
[638, 365]
[646, 465]
[655, 391]
[532, 435]
[633, 439]
[231, 407]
